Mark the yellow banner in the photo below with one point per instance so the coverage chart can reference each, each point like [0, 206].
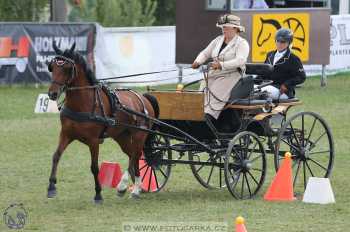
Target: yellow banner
[265, 27]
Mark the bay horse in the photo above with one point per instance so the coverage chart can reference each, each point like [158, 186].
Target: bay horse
[85, 99]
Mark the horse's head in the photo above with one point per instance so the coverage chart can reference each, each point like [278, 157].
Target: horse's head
[63, 69]
[267, 29]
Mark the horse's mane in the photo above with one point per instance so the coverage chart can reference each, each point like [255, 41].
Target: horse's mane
[79, 59]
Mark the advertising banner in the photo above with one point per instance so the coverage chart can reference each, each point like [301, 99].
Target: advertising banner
[26, 49]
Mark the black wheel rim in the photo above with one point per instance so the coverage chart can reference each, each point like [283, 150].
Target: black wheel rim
[155, 176]
[307, 136]
[245, 165]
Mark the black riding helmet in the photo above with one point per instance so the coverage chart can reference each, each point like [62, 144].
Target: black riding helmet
[285, 35]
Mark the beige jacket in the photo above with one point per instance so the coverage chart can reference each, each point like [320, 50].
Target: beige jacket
[221, 82]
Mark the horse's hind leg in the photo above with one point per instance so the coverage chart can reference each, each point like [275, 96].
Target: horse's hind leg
[63, 143]
[140, 137]
[94, 149]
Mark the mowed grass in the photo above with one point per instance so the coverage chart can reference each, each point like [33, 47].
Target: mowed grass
[28, 141]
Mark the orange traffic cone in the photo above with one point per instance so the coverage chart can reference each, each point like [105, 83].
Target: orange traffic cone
[240, 227]
[281, 188]
[149, 183]
[109, 174]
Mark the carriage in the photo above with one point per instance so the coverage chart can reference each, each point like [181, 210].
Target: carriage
[235, 156]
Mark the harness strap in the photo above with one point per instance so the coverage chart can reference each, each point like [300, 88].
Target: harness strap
[142, 102]
[87, 117]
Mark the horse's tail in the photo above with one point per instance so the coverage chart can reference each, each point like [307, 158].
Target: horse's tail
[147, 148]
[153, 100]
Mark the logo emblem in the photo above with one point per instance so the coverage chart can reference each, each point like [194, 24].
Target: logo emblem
[265, 27]
[15, 216]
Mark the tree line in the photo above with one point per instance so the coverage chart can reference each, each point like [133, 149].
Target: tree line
[109, 13]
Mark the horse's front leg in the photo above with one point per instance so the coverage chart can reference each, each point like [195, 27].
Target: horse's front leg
[64, 141]
[94, 149]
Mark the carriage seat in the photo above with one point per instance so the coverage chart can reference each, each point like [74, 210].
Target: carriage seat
[259, 69]
[245, 86]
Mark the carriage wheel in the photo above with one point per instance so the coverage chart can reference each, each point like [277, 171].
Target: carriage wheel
[308, 138]
[209, 176]
[245, 165]
[154, 172]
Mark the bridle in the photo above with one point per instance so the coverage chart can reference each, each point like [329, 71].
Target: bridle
[60, 61]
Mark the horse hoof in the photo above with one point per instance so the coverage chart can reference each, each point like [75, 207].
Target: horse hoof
[121, 193]
[51, 193]
[98, 200]
[135, 196]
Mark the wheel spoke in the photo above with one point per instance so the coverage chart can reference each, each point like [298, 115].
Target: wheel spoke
[235, 184]
[291, 145]
[308, 167]
[143, 166]
[295, 136]
[312, 128]
[253, 160]
[314, 145]
[156, 179]
[256, 169]
[197, 170]
[253, 178]
[246, 180]
[161, 171]
[143, 177]
[318, 164]
[250, 153]
[296, 173]
[149, 181]
[242, 189]
[304, 171]
[302, 130]
[211, 172]
[318, 152]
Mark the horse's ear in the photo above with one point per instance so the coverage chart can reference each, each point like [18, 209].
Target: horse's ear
[57, 50]
[49, 67]
[72, 48]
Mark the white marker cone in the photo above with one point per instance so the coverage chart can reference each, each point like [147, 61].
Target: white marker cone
[319, 191]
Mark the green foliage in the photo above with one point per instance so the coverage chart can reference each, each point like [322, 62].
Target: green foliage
[23, 10]
[115, 13]
[165, 13]
[85, 11]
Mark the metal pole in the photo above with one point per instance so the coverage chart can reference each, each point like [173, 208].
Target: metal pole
[58, 10]
[324, 76]
[180, 73]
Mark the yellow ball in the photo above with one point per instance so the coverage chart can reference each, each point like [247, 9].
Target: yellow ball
[179, 87]
[287, 155]
[239, 220]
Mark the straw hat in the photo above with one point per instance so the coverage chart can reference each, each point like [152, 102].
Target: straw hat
[230, 20]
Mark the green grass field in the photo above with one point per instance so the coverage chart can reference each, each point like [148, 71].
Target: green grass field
[28, 140]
